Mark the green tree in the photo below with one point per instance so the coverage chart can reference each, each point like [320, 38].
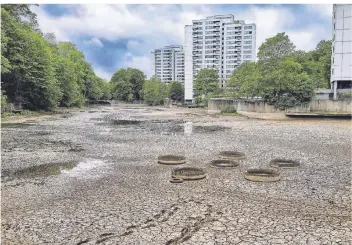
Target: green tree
[176, 91]
[31, 79]
[5, 64]
[154, 91]
[286, 85]
[123, 90]
[245, 80]
[22, 13]
[207, 82]
[39, 72]
[130, 79]
[67, 78]
[275, 47]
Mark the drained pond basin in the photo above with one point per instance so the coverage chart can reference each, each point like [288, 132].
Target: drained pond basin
[92, 177]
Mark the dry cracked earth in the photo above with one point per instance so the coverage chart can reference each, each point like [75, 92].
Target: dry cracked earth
[92, 177]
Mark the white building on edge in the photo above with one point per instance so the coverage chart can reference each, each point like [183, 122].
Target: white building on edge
[168, 63]
[341, 60]
[219, 42]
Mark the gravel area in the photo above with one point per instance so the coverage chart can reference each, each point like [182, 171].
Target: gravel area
[90, 178]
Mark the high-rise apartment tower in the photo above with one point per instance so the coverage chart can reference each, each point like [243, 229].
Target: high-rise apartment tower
[219, 42]
[168, 63]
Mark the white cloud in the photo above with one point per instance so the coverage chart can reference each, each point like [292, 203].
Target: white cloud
[324, 10]
[94, 42]
[140, 62]
[146, 27]
[102, 73]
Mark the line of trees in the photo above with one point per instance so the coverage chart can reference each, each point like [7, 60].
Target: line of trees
[282, 76]
[39, 72]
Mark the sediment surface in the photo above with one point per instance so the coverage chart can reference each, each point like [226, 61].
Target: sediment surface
[88, 178]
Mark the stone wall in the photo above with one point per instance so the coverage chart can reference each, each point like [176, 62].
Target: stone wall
[219, 104]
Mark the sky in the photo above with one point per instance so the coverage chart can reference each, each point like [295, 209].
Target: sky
[123, 35]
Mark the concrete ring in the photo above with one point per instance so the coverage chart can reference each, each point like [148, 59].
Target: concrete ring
[284, 163]
[176, 180]
[232, 155]
[188, 173]
[262, 175]
[223, 163]
[171, 159]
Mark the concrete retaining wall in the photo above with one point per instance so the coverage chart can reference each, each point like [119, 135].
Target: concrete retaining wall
[331, 105]
[219, 104]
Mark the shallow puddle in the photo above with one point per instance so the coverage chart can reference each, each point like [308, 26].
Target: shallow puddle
[167, 127]
[43, 170]
[17, 125]
[85, 168]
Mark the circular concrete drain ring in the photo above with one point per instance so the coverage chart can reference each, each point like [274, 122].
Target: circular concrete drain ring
[171, 159]
[188, 173]
[262, 175]
[223, 163]
[176, 180]
[232, 155]
[284, 163]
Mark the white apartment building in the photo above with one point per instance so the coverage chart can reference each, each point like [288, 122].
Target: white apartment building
[219, 42]
[341, 60]
[168, 63]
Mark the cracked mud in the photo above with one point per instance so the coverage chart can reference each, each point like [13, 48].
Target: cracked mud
[81, 180]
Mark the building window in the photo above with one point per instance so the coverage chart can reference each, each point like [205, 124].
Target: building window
[231, 57]
[230, 28]
[247, 51]
[247, 47]
[230, 37]
[247, 42]
[231, 33]
[247, 27]
[247, 56]
[231, 47]
[247, 32]
[247, 37]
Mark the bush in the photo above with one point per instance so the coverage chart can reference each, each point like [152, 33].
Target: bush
[345, 96]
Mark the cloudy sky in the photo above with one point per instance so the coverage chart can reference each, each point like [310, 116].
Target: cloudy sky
[120, 36]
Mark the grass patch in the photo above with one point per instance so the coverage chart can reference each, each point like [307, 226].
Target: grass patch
[229, 111]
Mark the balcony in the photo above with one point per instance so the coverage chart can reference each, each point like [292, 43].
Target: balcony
[197, 47]
[197, 33]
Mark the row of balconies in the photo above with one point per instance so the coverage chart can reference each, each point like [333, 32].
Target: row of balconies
[197, 33]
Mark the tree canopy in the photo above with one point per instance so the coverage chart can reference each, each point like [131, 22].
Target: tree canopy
[128, 84]
[207, 82]
[283, 76]
[154, 91]
[39, 72]
[275, 47]
[176, 91]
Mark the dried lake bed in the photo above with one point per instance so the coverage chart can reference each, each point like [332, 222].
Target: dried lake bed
[92, 177]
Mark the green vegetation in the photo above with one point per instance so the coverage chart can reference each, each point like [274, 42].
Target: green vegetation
[282, 76]
[154, 91]
[39, 72]
[345, 96]
[207, 82]
[229, 111]
[127, 84]
[176, 91]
